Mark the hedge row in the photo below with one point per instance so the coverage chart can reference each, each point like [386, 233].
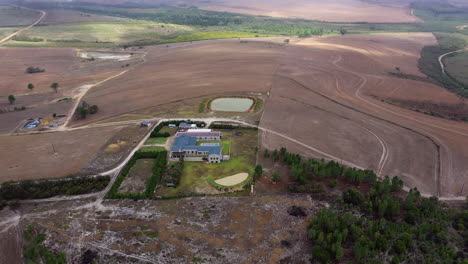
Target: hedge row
[156, 130]
[48, 188]
[228, 126]
[158, 169]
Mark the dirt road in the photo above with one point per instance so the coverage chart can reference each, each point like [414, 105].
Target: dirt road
[43, 14]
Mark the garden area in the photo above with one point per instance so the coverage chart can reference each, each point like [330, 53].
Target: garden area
[199, 177]
[139, 177]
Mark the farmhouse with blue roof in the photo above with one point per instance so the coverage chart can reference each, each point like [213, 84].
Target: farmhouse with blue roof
[185, 147]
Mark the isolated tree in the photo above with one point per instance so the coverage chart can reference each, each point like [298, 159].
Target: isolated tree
[30, 86]
[258, 171]
[93, 109]
[343, 31]
[397, 69]
[54, 86]
[276, 177]
[11, 98]
[266, 153]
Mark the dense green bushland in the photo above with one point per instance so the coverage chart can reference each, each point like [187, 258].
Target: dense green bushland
[48, 188]
[158, 170]
[375, 221]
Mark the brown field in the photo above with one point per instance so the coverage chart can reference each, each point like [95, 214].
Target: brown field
[11, 16]
[59, 16]
[50, 155]
[331, 10]
[184, 71]
[61, 66]
[334, 95]
[324, 92]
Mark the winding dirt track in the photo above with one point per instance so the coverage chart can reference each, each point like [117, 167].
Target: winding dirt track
[43, 14]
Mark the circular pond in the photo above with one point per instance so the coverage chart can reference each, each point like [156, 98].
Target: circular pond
[231, 104]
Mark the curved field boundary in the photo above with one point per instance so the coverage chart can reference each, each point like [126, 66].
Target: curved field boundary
[383, 144]
[43, 14]
[438, 162]
[441, 58]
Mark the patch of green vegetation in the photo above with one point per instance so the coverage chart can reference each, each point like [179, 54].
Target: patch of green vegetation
[147, 233]
[429, 65]
[456, 66]
[152, 149]
[226, 145]
[41, 189]
[378, 223]
[34, 250]
[161, 140]
[258, 104]
[202, 106]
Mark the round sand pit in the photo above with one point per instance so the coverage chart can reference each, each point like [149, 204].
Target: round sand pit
[233, 180]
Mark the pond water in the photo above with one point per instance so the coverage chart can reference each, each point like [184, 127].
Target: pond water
[231, 104]
[105, 56]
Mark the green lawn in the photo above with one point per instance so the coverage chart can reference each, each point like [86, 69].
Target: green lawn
[146, 149]
[160, 140]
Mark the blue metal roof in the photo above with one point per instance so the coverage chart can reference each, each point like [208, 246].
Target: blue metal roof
[186, 142]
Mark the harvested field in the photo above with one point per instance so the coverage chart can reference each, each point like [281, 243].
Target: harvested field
[59, 16]
[50, 155]
[332, 11]
[12, 16]
[135, 182]
[183, 71]
[62, 66]
[324, 95]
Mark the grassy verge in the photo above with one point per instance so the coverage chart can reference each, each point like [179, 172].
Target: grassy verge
[161, 140]
[203, 104]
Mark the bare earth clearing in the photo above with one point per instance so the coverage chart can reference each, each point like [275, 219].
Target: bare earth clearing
[217, 229]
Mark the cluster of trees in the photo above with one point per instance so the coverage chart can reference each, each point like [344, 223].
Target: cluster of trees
[11, 99]
[157, 172]
[304, 170]
[85, 109]
[181, 16]
[32, 69]
[48, 188]
[420, 233]
[229, 126]
[34, 250]
[174, 173]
